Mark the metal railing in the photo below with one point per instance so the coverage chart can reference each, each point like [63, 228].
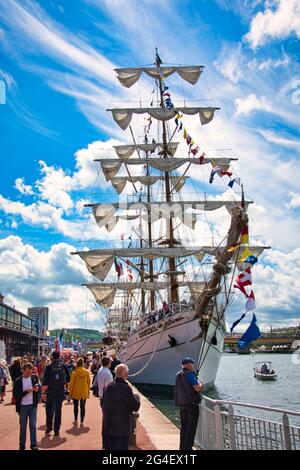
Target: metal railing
[225, 425]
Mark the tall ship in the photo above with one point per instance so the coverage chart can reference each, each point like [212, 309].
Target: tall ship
[164, 294]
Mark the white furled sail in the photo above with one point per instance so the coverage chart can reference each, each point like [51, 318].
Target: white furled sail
[111, 166]
[125, 151]
[99, 262]
[120, 182]
[105, 293]
[105, 213]
[123, 116]
[129, 76]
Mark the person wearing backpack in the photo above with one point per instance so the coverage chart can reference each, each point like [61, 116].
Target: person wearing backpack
[71, 367]
[53, 392]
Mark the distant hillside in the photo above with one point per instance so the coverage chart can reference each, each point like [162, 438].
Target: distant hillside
[80, 334]
[286, 331]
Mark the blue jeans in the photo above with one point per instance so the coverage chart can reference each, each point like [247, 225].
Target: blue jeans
[28, 411]
[53, 409]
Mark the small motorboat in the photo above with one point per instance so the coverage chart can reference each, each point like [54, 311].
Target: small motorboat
[264, 371]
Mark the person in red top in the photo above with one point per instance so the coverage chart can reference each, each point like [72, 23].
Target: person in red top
[165, 308]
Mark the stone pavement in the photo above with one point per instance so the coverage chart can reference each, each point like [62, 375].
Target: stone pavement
[154, 430]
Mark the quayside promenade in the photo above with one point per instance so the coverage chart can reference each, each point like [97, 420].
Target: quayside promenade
[154, 430]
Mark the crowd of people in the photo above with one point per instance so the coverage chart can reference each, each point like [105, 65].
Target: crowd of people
[51, 380]
[155, 316]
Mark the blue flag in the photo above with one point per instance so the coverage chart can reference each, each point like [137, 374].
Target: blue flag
[236, 322]
[251, 259]
[251, 334]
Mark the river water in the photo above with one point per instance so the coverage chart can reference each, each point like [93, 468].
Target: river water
[235, 382]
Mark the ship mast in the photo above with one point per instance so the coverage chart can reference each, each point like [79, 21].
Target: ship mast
[151, 270]
[169, 222]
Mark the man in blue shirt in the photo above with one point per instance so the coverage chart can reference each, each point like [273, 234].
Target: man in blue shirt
[187, 397]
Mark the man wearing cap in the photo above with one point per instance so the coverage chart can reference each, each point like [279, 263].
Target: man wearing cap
[187, 397]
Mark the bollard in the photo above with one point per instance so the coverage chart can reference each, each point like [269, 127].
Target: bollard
[132, 429]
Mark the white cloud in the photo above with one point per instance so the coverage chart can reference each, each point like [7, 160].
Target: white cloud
[32, 31]
[270, 63]
[80, 205]
[47, 217]
[57, 184]
[231, 63]
[54, 186]
[251, 103]
[278, 139]
[30, 277]
[7, 77]
[276, 284]
[39, 31]
[25, 189]
[265, 173]
[276, 23]
[294, 201]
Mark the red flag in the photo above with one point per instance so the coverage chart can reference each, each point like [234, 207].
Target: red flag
[243, 279]
[119, 269]
[201, 158]
[223, 172]
[129, 274]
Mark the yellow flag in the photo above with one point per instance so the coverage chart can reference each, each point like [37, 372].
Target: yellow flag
[233, 248]
[185, 133]
[245, 239]
[246, 253]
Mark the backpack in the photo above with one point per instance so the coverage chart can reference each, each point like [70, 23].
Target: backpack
[57, 376]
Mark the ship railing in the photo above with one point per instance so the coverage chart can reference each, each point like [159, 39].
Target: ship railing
[227, 425]
[182, 308]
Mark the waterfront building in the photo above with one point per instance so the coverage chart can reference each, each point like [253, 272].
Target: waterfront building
[17, 333]
[40, 315]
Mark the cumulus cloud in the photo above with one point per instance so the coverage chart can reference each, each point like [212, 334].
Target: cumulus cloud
[250, 104]
[278, 23]
[25, 189]
[30, 277]
[57, 184]
[54, 186]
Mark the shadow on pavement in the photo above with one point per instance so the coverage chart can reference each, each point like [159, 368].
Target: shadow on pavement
[77, 431]
[49, 443]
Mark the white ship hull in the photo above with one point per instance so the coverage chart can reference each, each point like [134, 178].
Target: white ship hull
[155, 362]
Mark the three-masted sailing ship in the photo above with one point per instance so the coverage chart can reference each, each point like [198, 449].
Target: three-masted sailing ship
[166, 297]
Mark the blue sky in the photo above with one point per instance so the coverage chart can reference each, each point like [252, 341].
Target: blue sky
[57, 60]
